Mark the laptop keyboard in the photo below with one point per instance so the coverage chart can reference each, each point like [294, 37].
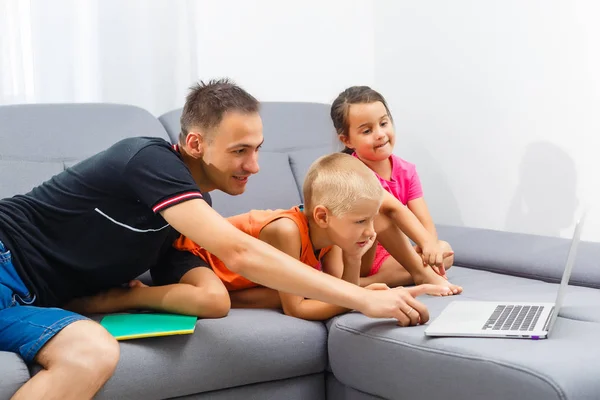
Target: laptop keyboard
[514, 318]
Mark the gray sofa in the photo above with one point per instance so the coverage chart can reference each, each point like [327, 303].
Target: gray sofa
[262, 354]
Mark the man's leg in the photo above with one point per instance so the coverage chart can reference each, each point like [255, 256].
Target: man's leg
[77, 355]
[76, 362]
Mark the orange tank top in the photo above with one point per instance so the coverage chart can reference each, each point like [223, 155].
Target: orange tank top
[252, 223]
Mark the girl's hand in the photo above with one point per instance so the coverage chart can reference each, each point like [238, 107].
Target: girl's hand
[432, 253]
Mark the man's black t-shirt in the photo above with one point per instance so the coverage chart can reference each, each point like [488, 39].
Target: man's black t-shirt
[97, 225]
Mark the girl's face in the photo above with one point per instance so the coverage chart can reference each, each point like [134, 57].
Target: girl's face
[370, 131]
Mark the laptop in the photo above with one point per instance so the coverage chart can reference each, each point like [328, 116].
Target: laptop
[516, 320]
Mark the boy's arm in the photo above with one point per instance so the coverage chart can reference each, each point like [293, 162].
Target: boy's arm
[341, 265]
[336, 263]
[267, 266]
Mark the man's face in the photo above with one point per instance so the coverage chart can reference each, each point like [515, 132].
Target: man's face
[231, 152]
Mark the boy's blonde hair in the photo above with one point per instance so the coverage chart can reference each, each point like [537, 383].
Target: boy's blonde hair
[337, 181]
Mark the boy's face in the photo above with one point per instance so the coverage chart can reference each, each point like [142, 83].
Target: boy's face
[352, 230]
[231, 152]
[370, 131]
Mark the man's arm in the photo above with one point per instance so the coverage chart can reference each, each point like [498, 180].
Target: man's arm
[267, 266]
[284, 235]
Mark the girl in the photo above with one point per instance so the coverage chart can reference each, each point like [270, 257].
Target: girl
[364, 125]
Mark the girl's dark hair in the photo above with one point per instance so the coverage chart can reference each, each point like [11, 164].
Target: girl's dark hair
[341, 106]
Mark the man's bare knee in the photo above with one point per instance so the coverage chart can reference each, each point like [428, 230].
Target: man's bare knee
[83, 349]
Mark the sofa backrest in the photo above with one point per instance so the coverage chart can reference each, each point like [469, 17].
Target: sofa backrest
[295, 135]
[531, 256]
[38, 141]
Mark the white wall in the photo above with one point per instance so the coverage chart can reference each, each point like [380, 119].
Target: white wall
[498, 104]
[148, 53]
[288, 50]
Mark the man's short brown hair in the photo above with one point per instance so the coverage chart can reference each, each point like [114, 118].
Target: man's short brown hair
[207, 103]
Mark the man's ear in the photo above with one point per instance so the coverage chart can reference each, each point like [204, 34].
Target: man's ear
[345, 139]
[195, 144]
[321, 216]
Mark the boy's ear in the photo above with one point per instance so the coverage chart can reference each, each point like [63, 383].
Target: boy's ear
[346, 141]
[321, 216]
[195, 144]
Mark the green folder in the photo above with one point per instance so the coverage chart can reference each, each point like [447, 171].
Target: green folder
[135, 326]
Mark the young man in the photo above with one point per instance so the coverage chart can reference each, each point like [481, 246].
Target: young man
[101, 223]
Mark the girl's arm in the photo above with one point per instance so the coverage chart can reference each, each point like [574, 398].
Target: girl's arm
[432, 251]
[421, 211]
[419, 208]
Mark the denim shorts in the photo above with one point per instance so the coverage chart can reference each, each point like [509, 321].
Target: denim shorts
[24, 328]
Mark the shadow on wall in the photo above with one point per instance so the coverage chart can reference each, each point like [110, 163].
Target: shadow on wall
[438, 193]
[545, 201]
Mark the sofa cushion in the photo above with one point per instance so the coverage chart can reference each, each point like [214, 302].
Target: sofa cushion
[248, 346]
[67, 132]
[531, 256]
[273, 187]
[293, 126]
[301, 160]
[311, 387]
[338, 391]
[13, 374]
[64, 134]
[20, 176]
[172, 124]
[378, 357]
